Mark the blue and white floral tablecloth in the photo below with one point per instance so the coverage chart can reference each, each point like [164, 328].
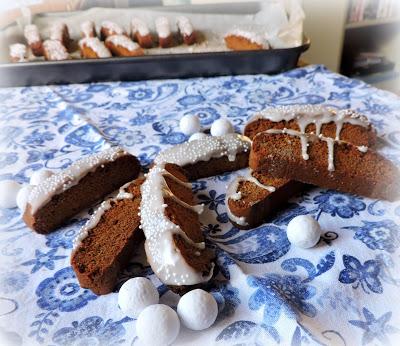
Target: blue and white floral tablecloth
[343, 292]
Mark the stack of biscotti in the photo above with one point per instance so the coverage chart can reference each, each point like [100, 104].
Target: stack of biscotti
[88, 180]
[323, 147]
[273, 179]
[174, 244]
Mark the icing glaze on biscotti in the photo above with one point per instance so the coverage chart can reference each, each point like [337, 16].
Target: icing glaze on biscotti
[139, 26]
[345, 124]
[59, 32]
[185, 28]
[57, 183]
[54, 50]
[245, 39]
[324, 162]
[109, 28]
[205, 149]
[164, 32]
[18, 52]
[88, 29]
[96, 46]
[121, 45]
[168, 263]
[31, 33]
[253, 198]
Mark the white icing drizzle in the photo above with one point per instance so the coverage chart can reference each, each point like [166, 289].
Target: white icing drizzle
[87, 28]
[31, 33]
[139, 26]
[233, 193]
[204, 149]
[18, 52]
[305, 138]
[311, 114]
[96, 217]
[362, 148]
[184, 25]
[164, 258]
[123, 41]
[57, 30]
[250, 35]
[112, 27]
[96, 45]
[58, 183]
[162, 27]
[55, 50]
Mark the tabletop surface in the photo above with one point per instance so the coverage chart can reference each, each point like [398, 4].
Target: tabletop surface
[343, 291]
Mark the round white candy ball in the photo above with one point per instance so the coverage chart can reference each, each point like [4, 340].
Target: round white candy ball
[197, 135]
[197, 309]
[303, 231]
[137, 294]
[190, 124]
[8, 196]
[157, 325]
[221, 127]
[38, 176]
[22, 196]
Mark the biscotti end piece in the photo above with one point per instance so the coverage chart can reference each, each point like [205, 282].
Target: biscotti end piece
[325, 162]
[254, 198]
[63, 195]
[109, 240]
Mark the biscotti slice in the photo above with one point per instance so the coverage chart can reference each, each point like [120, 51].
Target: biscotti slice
[252, 199]
[165, 37]
[34, 40]
[93, 48]
[108, 241]
[61, 196]
[18, 52]
[174, 245]
[345, 124]
[54, 50]
[59, 32]
[324, 162]
[121, 45]
[185, 29]
[140, 33]
[109, 28]
[209, 156]
[88, 29]
[245, 39]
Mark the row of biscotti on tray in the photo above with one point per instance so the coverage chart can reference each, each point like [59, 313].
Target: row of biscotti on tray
[114, 39]
[286, 148]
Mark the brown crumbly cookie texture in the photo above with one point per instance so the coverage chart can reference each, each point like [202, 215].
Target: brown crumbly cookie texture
[355, 134]
[60, 203]
[357, 171]
[107, 248]
[257, 204]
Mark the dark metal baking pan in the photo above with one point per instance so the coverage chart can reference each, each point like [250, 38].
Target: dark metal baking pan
[151, 67]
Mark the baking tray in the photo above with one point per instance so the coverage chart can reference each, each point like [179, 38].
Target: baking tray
[151, 67]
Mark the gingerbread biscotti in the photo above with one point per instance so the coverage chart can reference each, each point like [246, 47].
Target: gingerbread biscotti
[209, 156]
[324, 162]
[61, 196]
[93, 48]
[108, 241]
[252, 199]
[121, 45]
[347, 125]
